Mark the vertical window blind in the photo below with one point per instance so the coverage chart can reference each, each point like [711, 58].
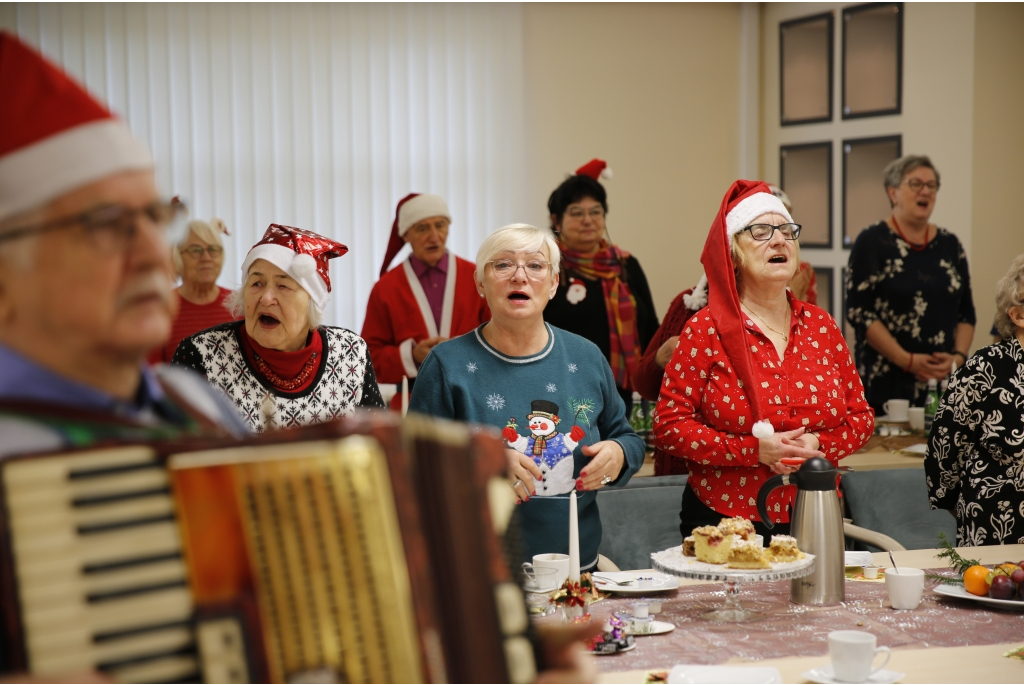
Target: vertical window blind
[320, 116]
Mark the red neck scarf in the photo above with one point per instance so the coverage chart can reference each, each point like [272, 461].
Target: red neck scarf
[285, 371]
[606, 264]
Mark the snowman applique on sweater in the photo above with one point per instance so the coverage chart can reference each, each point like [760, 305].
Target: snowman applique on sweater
[549, 449]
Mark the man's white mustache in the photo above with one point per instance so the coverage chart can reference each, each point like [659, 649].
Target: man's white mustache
[153, 283]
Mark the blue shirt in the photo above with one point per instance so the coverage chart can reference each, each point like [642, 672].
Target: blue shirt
[569, 383]
[23, 379]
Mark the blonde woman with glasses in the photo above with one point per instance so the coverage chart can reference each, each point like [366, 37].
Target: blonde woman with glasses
[550, 392]
[198, 260]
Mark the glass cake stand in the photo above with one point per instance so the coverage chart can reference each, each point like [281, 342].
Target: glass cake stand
[673, 562]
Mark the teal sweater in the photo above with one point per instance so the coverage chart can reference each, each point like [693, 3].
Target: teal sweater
[544, 396]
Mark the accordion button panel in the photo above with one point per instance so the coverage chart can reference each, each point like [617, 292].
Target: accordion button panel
[97, 555]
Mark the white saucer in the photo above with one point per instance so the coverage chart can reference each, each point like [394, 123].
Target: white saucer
[654, 628]
[825, 674]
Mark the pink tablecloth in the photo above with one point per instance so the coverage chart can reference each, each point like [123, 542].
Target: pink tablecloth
[791, 630]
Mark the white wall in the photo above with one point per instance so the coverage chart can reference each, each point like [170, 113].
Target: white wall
[320, 116]
[936, 118]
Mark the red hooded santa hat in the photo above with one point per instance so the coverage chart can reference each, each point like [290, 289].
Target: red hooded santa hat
[54, 137]
[302, 255]
[412, 209]
[745, 201]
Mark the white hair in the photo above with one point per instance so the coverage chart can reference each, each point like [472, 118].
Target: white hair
[210, 233]
[1008, 295]
[235, 304]
[516, 237]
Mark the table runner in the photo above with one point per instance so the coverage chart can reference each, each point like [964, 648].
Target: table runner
[792, 630]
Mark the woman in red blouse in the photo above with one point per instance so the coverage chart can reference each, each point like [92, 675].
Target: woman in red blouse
[755, 353]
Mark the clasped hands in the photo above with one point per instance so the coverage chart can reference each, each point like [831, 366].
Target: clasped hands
[937, 365]
[794, 444]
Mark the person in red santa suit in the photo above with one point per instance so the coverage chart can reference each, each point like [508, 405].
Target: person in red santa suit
[425, 300]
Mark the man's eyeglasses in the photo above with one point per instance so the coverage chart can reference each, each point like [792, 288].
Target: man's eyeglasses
[196, 252]
[916, 185]
[112, 228]
[766, 231]
[535, 269]
[594, 212]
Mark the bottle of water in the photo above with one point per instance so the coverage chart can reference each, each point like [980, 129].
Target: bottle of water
[931, 405]
[636, 417]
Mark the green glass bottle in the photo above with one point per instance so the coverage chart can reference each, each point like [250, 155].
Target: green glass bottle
[931, 405]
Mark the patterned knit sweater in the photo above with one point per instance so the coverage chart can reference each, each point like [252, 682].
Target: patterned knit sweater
[343, 381]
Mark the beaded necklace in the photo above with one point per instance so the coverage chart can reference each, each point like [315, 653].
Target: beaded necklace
[913, 246]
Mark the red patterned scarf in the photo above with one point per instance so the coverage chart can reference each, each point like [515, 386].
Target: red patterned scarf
[606, 264]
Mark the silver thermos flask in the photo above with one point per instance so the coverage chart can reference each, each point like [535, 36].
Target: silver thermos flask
[817, 524]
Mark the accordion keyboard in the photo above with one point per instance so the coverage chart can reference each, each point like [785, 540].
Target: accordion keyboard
[101, 578]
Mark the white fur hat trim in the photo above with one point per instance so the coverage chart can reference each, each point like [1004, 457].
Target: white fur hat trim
[763, 429]
[752, 207]
[301, 267]
[419, 208]
[698, 297]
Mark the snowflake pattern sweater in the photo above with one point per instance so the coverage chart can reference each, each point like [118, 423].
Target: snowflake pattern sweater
[556, 401]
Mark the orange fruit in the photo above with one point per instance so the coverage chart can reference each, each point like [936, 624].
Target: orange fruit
[975, 580]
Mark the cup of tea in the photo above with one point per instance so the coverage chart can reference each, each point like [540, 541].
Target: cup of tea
[555, 561]
[896, 410]
[853, 653]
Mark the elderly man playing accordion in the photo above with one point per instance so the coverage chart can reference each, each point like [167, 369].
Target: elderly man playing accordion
[85, 275]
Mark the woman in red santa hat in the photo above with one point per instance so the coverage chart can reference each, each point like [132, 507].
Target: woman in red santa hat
[603, 294]
[278, 365]
[758, 376]
[651, 370]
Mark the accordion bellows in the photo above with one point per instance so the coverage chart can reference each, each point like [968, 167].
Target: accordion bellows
[351, 552]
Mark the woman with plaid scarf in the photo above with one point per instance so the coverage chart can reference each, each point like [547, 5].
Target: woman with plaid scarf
[603, 294]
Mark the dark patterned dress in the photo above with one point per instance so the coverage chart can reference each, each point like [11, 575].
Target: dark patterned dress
[920, 296]
[343, 381]
[975, 459]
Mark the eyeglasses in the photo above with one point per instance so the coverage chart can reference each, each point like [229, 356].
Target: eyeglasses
[535, 269]
[112, 228]
[594, 212]
[196, 252]
[916, 185]
[766, 231]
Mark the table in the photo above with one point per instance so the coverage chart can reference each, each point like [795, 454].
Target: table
[975, 663]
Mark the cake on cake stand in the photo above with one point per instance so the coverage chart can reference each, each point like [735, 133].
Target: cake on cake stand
[673, 562]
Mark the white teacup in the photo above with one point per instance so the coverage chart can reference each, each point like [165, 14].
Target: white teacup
[555, 561]
[853, 653]
[915, 415]
[905, 586]
[896, 410]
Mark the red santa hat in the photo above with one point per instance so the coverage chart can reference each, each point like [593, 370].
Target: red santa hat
[595, 169]
[302, 255]
[745, 201]
[412, 209]
[54, 136]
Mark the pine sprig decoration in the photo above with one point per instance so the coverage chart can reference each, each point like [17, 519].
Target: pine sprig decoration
[945, 580]
[953, 557]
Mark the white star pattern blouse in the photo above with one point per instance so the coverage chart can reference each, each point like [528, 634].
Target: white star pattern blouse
[704, 414]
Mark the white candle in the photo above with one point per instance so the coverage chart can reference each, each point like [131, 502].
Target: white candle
[405, 395]
[574, 541]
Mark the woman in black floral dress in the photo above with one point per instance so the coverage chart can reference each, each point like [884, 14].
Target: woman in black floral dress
[908, 295]
[975, 459]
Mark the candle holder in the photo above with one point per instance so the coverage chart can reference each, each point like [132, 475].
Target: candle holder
[574, 599]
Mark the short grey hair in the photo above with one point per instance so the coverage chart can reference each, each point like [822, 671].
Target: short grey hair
[896, 170]
[210, 233]
[516, 237]
[1008, 295]
[235, 304]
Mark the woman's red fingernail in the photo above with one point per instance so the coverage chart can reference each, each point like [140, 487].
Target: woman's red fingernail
[519, 501]
[583, 474]
[527, 498]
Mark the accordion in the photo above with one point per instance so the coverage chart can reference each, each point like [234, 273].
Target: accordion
[365, 550]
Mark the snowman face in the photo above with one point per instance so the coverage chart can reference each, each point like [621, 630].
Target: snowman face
[540, 425]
